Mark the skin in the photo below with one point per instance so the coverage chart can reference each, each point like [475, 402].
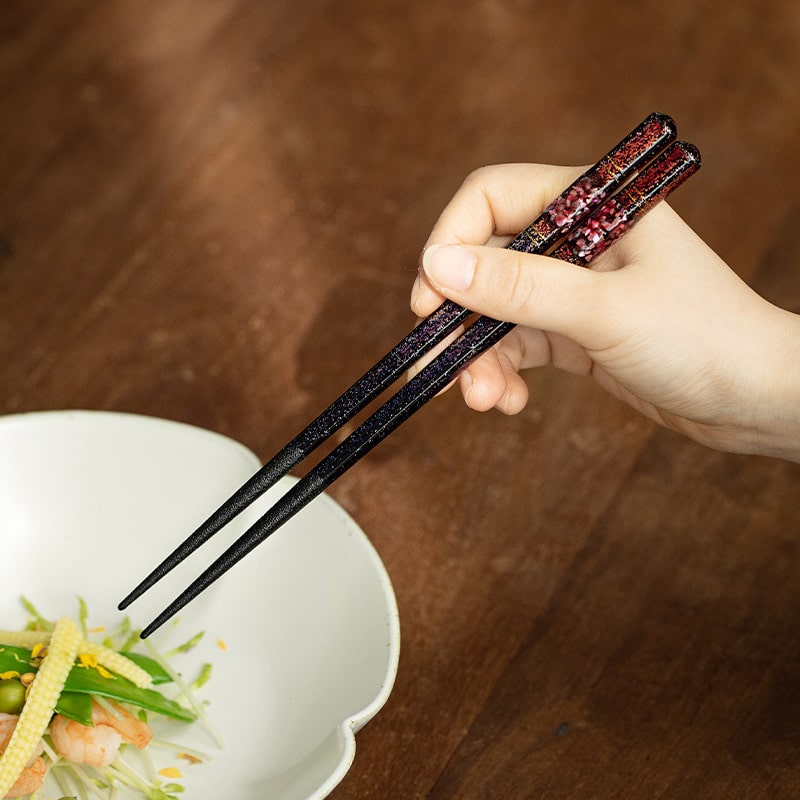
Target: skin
[659, 320]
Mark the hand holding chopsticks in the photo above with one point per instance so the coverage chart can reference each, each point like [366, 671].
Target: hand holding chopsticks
[583, 221]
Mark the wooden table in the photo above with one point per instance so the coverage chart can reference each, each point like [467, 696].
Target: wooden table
[212, 212]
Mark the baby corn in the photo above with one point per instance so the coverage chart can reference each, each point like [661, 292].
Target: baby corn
[27, 639]
[42, 697]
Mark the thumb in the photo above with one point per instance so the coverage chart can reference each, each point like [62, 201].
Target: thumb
[536, 291]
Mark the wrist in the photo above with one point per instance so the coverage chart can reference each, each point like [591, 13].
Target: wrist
[778, 430]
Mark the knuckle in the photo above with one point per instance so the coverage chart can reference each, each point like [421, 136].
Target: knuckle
[478, 176]
[482, 181]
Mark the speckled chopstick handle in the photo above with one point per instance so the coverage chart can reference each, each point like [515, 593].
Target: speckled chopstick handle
[638, 148]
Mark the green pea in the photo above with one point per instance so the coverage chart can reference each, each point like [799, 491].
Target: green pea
[12, 696]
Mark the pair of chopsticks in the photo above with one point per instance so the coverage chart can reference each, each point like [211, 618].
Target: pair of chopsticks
[584, 220]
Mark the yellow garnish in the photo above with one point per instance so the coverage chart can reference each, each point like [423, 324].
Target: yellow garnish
[170, 772]
[43, 695]
[116, 662]
[87, 660]
[90, 661]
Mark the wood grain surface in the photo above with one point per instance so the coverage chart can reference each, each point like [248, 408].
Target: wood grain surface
[212, 212]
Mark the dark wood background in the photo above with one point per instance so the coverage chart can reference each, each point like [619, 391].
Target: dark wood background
[212, 212]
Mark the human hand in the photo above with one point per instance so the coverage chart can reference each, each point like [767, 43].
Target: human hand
[659, 320]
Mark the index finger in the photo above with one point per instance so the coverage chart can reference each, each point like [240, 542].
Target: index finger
[495, 201]
[499, 200]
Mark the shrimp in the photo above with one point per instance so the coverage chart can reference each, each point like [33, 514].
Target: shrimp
[131, 728]
[98, 744]
[32, 776]
[30, 780]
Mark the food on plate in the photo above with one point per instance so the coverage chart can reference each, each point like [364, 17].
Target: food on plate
[71, 706]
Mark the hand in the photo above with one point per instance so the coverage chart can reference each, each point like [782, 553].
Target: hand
[659, 320]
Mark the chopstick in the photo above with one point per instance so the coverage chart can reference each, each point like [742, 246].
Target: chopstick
[604, 224]
[648, 138]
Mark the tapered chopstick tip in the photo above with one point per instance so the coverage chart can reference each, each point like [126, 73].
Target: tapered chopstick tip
[136, 592]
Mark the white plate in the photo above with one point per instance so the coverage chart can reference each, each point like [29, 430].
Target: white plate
[91, 501]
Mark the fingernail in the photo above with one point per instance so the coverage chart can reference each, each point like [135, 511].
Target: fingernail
[449, 266]
[416, 291]
[466, 385]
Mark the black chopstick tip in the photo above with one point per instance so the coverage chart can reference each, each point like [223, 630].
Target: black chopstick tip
[148, 629]
[158, 621]
[153, 578]
[130, 597]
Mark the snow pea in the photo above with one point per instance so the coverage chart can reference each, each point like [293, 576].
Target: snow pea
[75, 706]
[86, 681]
[15, 659]
[89, 681]
[150, 666]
